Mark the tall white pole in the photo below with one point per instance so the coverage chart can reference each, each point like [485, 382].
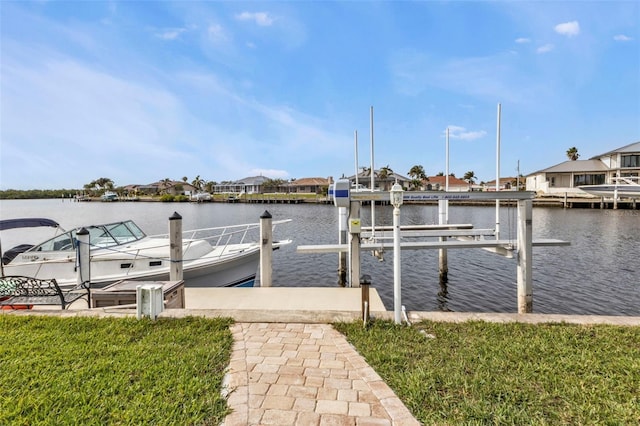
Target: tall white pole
[446, 180]
[355, 136]
[443, 205]
[498, 175]
[397, 298]
[373, 182]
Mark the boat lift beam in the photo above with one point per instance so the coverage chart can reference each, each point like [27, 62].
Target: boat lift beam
[422, 245]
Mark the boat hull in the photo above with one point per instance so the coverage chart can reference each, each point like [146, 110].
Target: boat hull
[139, 257]
[216, 269]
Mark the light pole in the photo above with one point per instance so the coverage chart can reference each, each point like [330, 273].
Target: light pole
[396, 200]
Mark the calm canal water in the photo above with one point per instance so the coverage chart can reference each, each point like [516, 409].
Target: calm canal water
[598, 274]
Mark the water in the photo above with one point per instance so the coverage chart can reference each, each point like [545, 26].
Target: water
[598, 274]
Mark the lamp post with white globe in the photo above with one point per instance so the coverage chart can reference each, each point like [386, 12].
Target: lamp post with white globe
[396, 196]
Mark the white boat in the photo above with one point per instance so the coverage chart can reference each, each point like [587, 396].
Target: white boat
[109, 196]
[201, 196]
[620, 187]
[212, 257]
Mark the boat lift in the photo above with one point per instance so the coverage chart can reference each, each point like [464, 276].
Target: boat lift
[465, 235]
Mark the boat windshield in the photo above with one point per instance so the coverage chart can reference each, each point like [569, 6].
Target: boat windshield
[109, 235]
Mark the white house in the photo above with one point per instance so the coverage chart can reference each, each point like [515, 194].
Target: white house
[566, 177]
[249, 185]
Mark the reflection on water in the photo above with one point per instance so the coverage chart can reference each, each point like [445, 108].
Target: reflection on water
[598, 274]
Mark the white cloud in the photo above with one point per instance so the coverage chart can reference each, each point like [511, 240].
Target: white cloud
[569, 29]
[523, 40]
[544, 49]
[170, 33]
[270, 173]
[622, 37]
[262, 19]
[489, 77]
[458, 132]
[217, 33]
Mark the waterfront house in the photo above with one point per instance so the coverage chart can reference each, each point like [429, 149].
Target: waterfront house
[172, 187]
[506, 184]
[310, 185]
[564, 178]
[439, 183]
[248, 185]
[383, 180]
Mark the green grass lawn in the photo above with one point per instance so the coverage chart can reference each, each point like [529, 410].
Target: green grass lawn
[514, 374]
[116, 371]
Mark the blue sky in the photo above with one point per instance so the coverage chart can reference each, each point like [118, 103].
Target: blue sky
[142, 91]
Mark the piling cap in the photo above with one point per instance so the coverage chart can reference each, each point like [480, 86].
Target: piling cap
[82, 231]
[175, 216]
[365, 279]
[265, 215]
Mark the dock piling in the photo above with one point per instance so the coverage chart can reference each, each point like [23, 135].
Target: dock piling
[84, 256]
[342, 239]
[175, 247]
[266, 249]
[354, 244]
[524, 269]
[365, 284]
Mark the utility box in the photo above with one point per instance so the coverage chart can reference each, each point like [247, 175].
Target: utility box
[341, 193]
[149, 300]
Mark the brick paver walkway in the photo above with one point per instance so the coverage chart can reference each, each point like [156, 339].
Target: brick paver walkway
[305, 374]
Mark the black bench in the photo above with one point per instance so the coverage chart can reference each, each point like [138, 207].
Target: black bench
[20, 291]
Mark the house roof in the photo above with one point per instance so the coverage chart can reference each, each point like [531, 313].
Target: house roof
[392, 176]
[453, 181]
[252, 180]
[311, 181]
[503, 181]
[575, 166]
[632, 147]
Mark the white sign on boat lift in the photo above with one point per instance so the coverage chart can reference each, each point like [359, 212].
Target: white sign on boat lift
[466, 236]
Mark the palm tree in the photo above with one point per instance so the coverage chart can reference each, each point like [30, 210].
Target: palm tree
[198, 183]
[384, 174]
[416, 183]
[470, 177]
[166, 183]
[417, 172]
[418, 176]
[572, 153]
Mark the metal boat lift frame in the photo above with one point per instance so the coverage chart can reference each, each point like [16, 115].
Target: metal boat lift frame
[524, 240]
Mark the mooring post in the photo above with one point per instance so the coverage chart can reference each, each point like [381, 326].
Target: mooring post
[175, 247]
[84, 256]
[342, 239]
[525, 251]
[443, 266]
[365, 284]
[354, 244]
[266, 249]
